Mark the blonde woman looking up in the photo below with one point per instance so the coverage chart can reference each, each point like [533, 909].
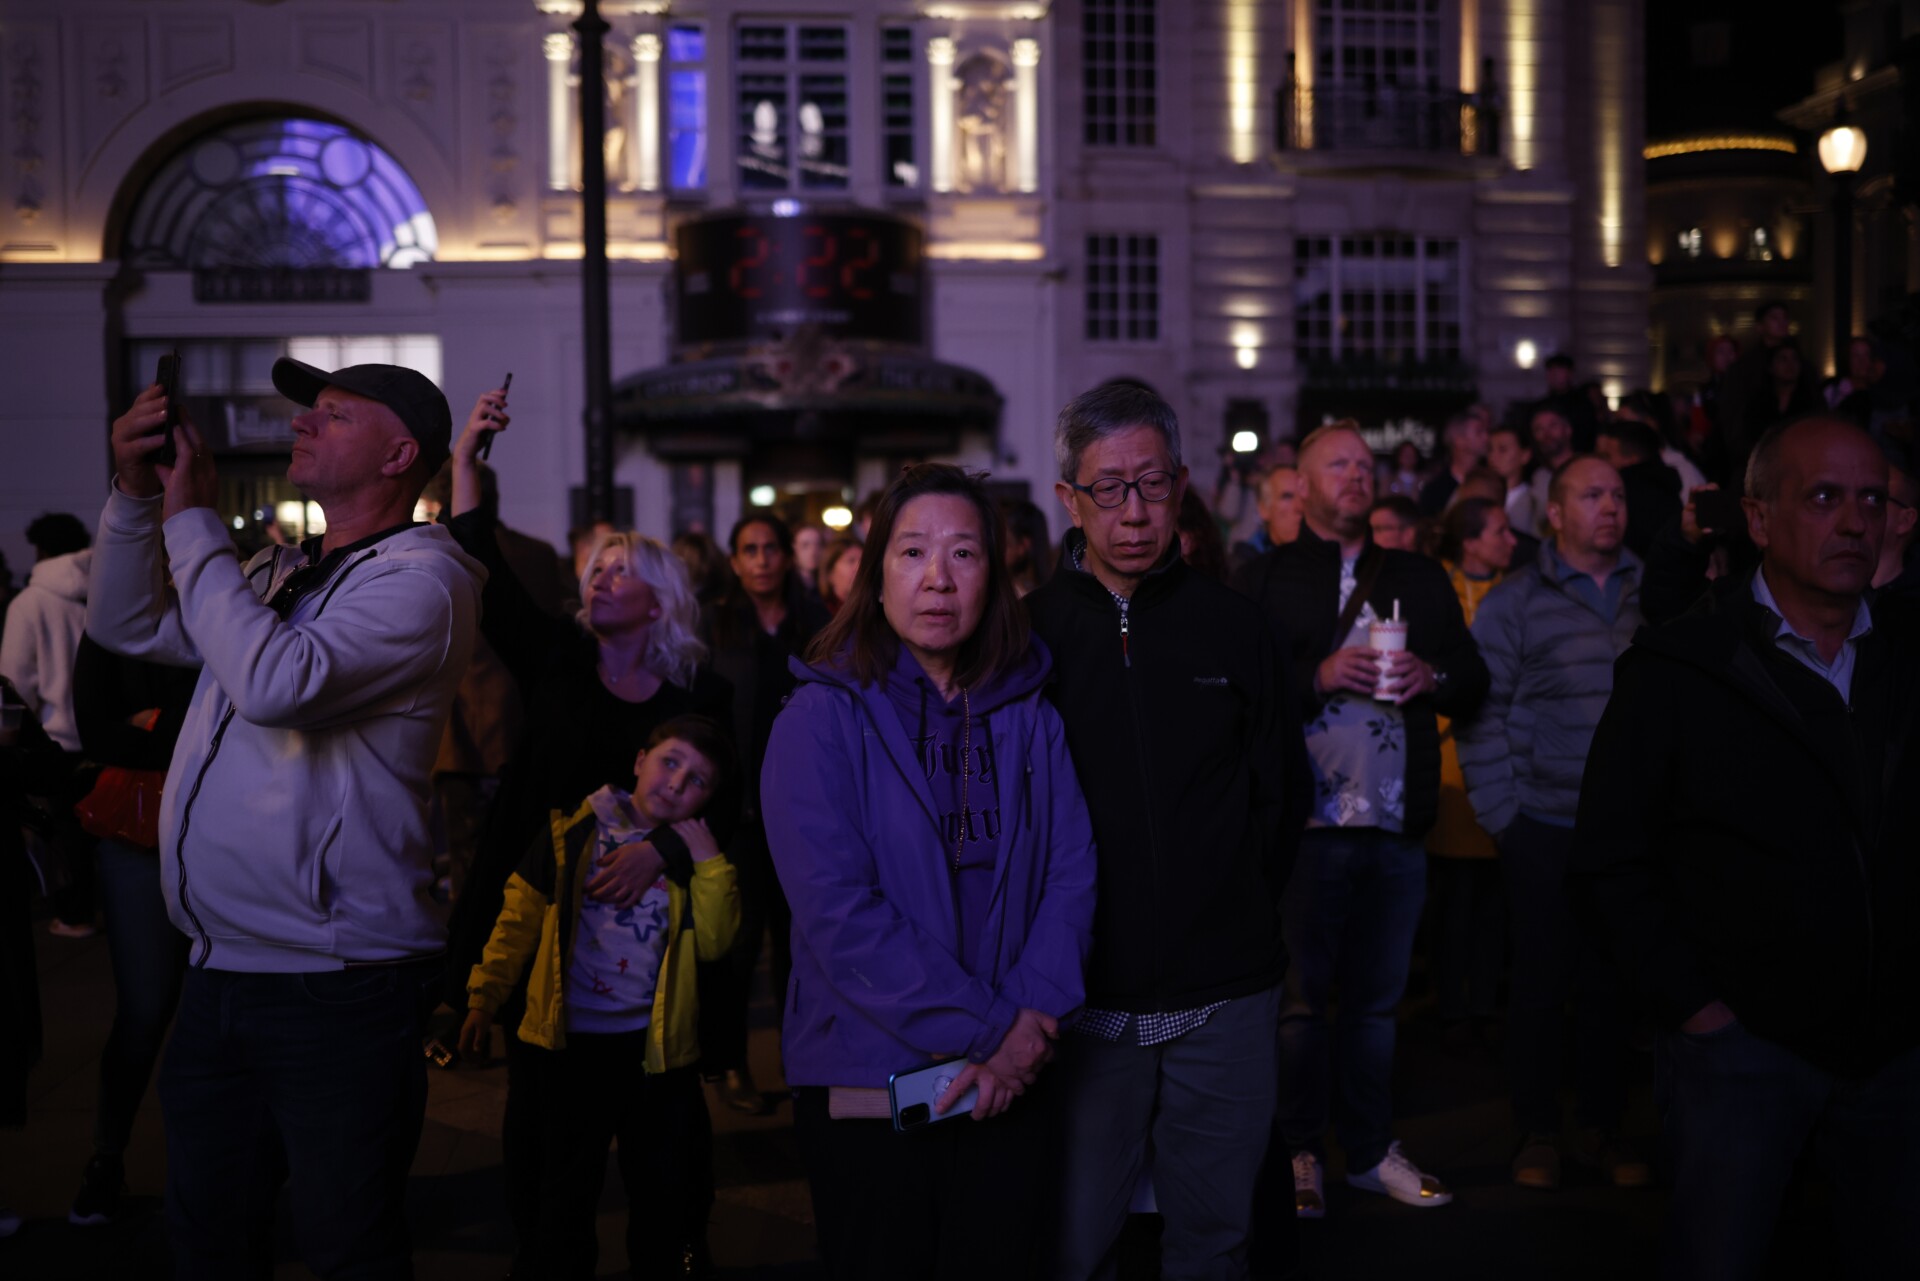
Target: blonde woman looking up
[595, 687]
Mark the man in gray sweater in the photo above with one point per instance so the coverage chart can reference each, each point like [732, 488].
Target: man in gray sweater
[1550, 634]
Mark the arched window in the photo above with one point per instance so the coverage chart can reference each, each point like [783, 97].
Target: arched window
[279, 192]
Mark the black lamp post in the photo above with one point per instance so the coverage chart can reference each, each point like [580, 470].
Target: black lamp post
[592, 30]
[1843, 149]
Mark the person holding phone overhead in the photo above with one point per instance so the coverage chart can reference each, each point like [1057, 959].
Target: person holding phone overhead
[294, 843]
[596, 687]
[928, 828]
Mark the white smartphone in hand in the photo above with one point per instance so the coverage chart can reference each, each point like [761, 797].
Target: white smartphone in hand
[913, 1094]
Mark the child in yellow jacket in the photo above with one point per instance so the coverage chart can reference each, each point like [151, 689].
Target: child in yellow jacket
[612, 1008]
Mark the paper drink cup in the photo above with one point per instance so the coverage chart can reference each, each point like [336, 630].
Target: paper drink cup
[1386, 636]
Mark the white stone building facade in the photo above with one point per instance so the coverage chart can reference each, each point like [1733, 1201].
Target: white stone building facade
[1268, 209]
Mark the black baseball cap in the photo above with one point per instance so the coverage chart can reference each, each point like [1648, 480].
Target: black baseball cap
[415, 401]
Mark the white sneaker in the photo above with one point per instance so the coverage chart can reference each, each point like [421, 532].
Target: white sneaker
[1400, 1179]
[1309, 1187]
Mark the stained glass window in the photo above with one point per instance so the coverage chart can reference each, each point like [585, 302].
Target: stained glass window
[281, 192]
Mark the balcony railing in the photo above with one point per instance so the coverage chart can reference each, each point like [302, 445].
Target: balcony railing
[1386, 117]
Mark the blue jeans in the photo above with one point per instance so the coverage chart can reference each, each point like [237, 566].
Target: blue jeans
[316, 1079]
[149, 957]
[1201, 1108]
[1738, 1111]
[1348, 917]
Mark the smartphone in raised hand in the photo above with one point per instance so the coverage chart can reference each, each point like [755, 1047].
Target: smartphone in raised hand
[486, 446]
[168, 376]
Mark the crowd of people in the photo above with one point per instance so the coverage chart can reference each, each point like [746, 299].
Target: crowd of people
[1610, 697]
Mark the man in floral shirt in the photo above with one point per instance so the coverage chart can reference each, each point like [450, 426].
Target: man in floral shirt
[1358, 885]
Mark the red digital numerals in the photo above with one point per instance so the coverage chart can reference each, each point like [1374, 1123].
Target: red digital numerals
[817, 272]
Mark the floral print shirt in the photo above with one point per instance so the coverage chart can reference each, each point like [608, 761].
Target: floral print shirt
[1358, 748]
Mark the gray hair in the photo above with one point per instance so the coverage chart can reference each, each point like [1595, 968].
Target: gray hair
[1109, 409]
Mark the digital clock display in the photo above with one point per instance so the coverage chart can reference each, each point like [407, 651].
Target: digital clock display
[747, 278]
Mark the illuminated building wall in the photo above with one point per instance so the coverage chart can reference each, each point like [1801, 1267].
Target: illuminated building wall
[1515, 193]
[1612, 284]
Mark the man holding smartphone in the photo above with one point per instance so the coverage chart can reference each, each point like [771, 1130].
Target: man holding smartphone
[293, 834]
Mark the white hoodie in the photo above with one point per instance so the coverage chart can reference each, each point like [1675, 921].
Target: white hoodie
[293, 829]
[42, 637]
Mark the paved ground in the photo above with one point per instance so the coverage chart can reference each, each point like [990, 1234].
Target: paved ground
[1453, 1119]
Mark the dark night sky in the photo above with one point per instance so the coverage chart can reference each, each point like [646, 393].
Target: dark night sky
[1719, 64]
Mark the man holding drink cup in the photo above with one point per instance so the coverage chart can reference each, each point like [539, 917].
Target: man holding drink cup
[1379, 646]
[1387, 637]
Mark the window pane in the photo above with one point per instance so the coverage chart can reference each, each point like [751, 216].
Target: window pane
[686, 44]
[763, 44]
[1398, 300]
[1123, 288]
[763, 131]
[823, 131]
[1119, 85]
[687, 129]
[791, 108]
[823, 44]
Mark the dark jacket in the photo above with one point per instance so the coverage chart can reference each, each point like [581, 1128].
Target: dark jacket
[31, 764]
[756, 666]
[1298, 590]
[1744, 836]
[1437, 493]
[1194, 770]
[1653, 502]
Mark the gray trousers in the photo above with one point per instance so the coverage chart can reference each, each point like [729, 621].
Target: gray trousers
[1199, 1110]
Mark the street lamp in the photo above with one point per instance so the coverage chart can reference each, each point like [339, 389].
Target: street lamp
[1843, 149]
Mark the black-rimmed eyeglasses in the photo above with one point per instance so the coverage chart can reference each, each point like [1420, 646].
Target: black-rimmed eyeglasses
[1155, 487]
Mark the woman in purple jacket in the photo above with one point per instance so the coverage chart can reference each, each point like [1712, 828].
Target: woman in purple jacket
[928, 829]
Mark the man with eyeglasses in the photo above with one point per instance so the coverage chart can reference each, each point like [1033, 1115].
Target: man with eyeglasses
[1374, 743]
[1177, 717]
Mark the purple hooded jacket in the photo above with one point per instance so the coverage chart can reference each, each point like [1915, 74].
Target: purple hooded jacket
[877, 985]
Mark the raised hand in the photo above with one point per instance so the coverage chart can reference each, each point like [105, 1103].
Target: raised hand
[136, 434]
[699, 839]
[489, 415]
[191, 481]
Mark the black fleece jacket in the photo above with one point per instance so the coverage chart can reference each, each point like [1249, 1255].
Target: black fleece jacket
[1746, 836]
[1298, 590]
[1195, 774]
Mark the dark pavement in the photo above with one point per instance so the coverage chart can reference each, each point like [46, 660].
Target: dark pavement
[1453, 1121]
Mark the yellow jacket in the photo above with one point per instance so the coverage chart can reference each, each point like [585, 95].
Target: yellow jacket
[707, 916]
